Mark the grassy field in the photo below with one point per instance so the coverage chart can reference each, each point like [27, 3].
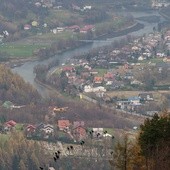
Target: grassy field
[3, 138]
[126, 94]
[61, 35]
[101, 72]
[20, 50]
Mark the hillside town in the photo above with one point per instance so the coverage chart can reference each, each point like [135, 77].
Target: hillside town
[85, 85]
[106, 70]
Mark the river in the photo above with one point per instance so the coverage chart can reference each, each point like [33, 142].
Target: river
[26, 70]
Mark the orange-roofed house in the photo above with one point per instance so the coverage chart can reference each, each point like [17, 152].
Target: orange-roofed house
[98, 80]
[63, 124]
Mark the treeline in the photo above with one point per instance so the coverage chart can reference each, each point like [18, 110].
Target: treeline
[28, 114]
[14, 89]
[41, 70]
[58, 47]
[18, 153]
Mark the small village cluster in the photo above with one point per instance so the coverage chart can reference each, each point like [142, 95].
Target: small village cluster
[64, 130]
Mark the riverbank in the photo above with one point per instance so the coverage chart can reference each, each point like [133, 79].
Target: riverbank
[135, 27]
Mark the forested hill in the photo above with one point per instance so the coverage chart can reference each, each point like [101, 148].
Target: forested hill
[14, 89]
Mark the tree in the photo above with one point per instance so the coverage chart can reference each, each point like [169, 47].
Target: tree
[18, 153]
[154, 141]
[122, 154]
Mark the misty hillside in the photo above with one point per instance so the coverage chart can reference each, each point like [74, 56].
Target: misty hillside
[13, 13]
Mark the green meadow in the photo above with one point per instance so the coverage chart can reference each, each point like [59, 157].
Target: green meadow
[19, 50]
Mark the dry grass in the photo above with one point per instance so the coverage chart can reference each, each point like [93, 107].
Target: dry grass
[157, 94]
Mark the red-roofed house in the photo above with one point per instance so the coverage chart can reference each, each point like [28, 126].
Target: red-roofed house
[87, 28]
[63, 124]
[30, 130]
[9, 125]
[27, 27]
[11, 122]
[74, 28]
[68, 69]
[79, 133]
[108, 77]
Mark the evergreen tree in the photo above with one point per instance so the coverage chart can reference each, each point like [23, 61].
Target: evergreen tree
[154, 141]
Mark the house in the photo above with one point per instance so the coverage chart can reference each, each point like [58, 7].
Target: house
[87, 7]
[136, 82]
[141, 58]
[122, 104]
[11, 122]
[27, 27]
[146, 96]
[39, 129]
[108, 76]
[30, 130]
[48, 129]
[99, 89]
[63, 124]
[87, 28]
[75, 7]
[115, 85]
[135, 100]
[51, 168]
[94, 72]
[79, 132]
[10, 125]
[1, 37]
[98, 80]
[34, 23]
[37, 4]
[128, 76]
[88, 89]
[151, 113]
[74, 28]
[60, 29]
[78, 123]
[68, 69]
[98, 132]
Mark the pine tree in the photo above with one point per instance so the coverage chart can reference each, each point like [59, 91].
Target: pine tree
[154, 141]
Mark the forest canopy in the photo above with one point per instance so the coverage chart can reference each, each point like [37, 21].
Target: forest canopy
[14, 89]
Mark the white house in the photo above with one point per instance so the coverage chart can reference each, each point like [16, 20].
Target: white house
[48, 129]
[87, 7]
[134, 100]
[88, 89]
